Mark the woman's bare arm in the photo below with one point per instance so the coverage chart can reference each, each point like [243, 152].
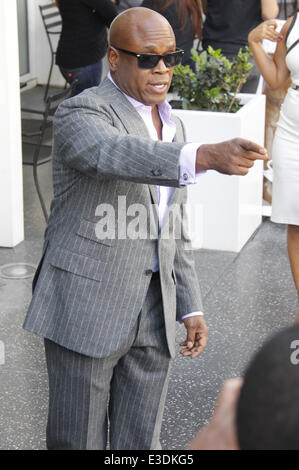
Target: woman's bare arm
[270, 9]
[273, 69]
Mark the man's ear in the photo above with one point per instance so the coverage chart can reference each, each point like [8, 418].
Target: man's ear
[113, 58]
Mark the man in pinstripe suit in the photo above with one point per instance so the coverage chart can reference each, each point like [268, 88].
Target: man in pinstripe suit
[106, 302]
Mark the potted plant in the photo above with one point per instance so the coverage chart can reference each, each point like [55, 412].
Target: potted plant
[225, 210]
[215, 82]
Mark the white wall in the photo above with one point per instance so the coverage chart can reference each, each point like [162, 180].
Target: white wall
[11, 181]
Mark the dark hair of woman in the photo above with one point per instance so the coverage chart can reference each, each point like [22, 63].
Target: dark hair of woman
[195, 9]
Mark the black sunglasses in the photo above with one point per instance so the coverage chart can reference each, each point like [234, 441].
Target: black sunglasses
[149, 61]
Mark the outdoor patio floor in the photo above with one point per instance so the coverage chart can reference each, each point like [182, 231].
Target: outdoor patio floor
[247, 297]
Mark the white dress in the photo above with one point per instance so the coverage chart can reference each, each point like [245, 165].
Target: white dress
[285, 150]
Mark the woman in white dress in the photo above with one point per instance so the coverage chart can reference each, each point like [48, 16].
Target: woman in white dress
[276, 71]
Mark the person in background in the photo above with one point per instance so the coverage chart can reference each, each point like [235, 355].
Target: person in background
[83, 40]
[276, 71]
[259, 412]
[185, 17]
[123, 5]
[227, 25]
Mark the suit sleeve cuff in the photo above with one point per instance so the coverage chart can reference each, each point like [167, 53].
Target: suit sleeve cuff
[188, 315]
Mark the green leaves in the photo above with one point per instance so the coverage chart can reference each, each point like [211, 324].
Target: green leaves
[215, 83]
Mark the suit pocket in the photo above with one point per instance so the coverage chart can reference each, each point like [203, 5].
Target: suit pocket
[85, 240]
[77, 264]
[92, 231]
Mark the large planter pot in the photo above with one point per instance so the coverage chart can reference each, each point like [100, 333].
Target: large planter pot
[224, 211]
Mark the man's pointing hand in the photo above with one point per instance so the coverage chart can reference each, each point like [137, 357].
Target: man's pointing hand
[231, 157]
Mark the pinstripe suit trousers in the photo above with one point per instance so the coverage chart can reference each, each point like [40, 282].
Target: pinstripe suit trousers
[133, 381]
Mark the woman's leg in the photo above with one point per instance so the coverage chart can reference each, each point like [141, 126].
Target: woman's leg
[293, 249]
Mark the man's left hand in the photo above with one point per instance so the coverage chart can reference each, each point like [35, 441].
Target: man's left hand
[197, 334]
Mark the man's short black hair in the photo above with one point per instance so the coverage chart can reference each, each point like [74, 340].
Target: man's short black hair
[268, 407]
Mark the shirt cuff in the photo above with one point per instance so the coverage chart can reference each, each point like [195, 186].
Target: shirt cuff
[187, 162]
[192, 314]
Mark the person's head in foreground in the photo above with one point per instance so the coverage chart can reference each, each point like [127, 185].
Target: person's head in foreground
[268, 407]
[142, 54]
[262, 410]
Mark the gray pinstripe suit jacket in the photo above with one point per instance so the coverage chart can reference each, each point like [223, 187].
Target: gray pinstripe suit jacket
[88, 292]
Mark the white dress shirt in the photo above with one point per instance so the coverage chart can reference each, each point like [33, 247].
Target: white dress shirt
[187, 158]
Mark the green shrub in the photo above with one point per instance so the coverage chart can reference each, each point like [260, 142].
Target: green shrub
[215, 83]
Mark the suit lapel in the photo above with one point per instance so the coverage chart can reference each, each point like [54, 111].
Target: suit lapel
[129, 117]
[154, 193]
[122, 107]
[131, 121]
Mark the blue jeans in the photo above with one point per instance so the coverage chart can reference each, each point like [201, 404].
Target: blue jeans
[87, 76]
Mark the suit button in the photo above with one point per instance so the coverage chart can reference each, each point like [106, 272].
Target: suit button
[157, 172]
[148, 272]
[185, 176]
